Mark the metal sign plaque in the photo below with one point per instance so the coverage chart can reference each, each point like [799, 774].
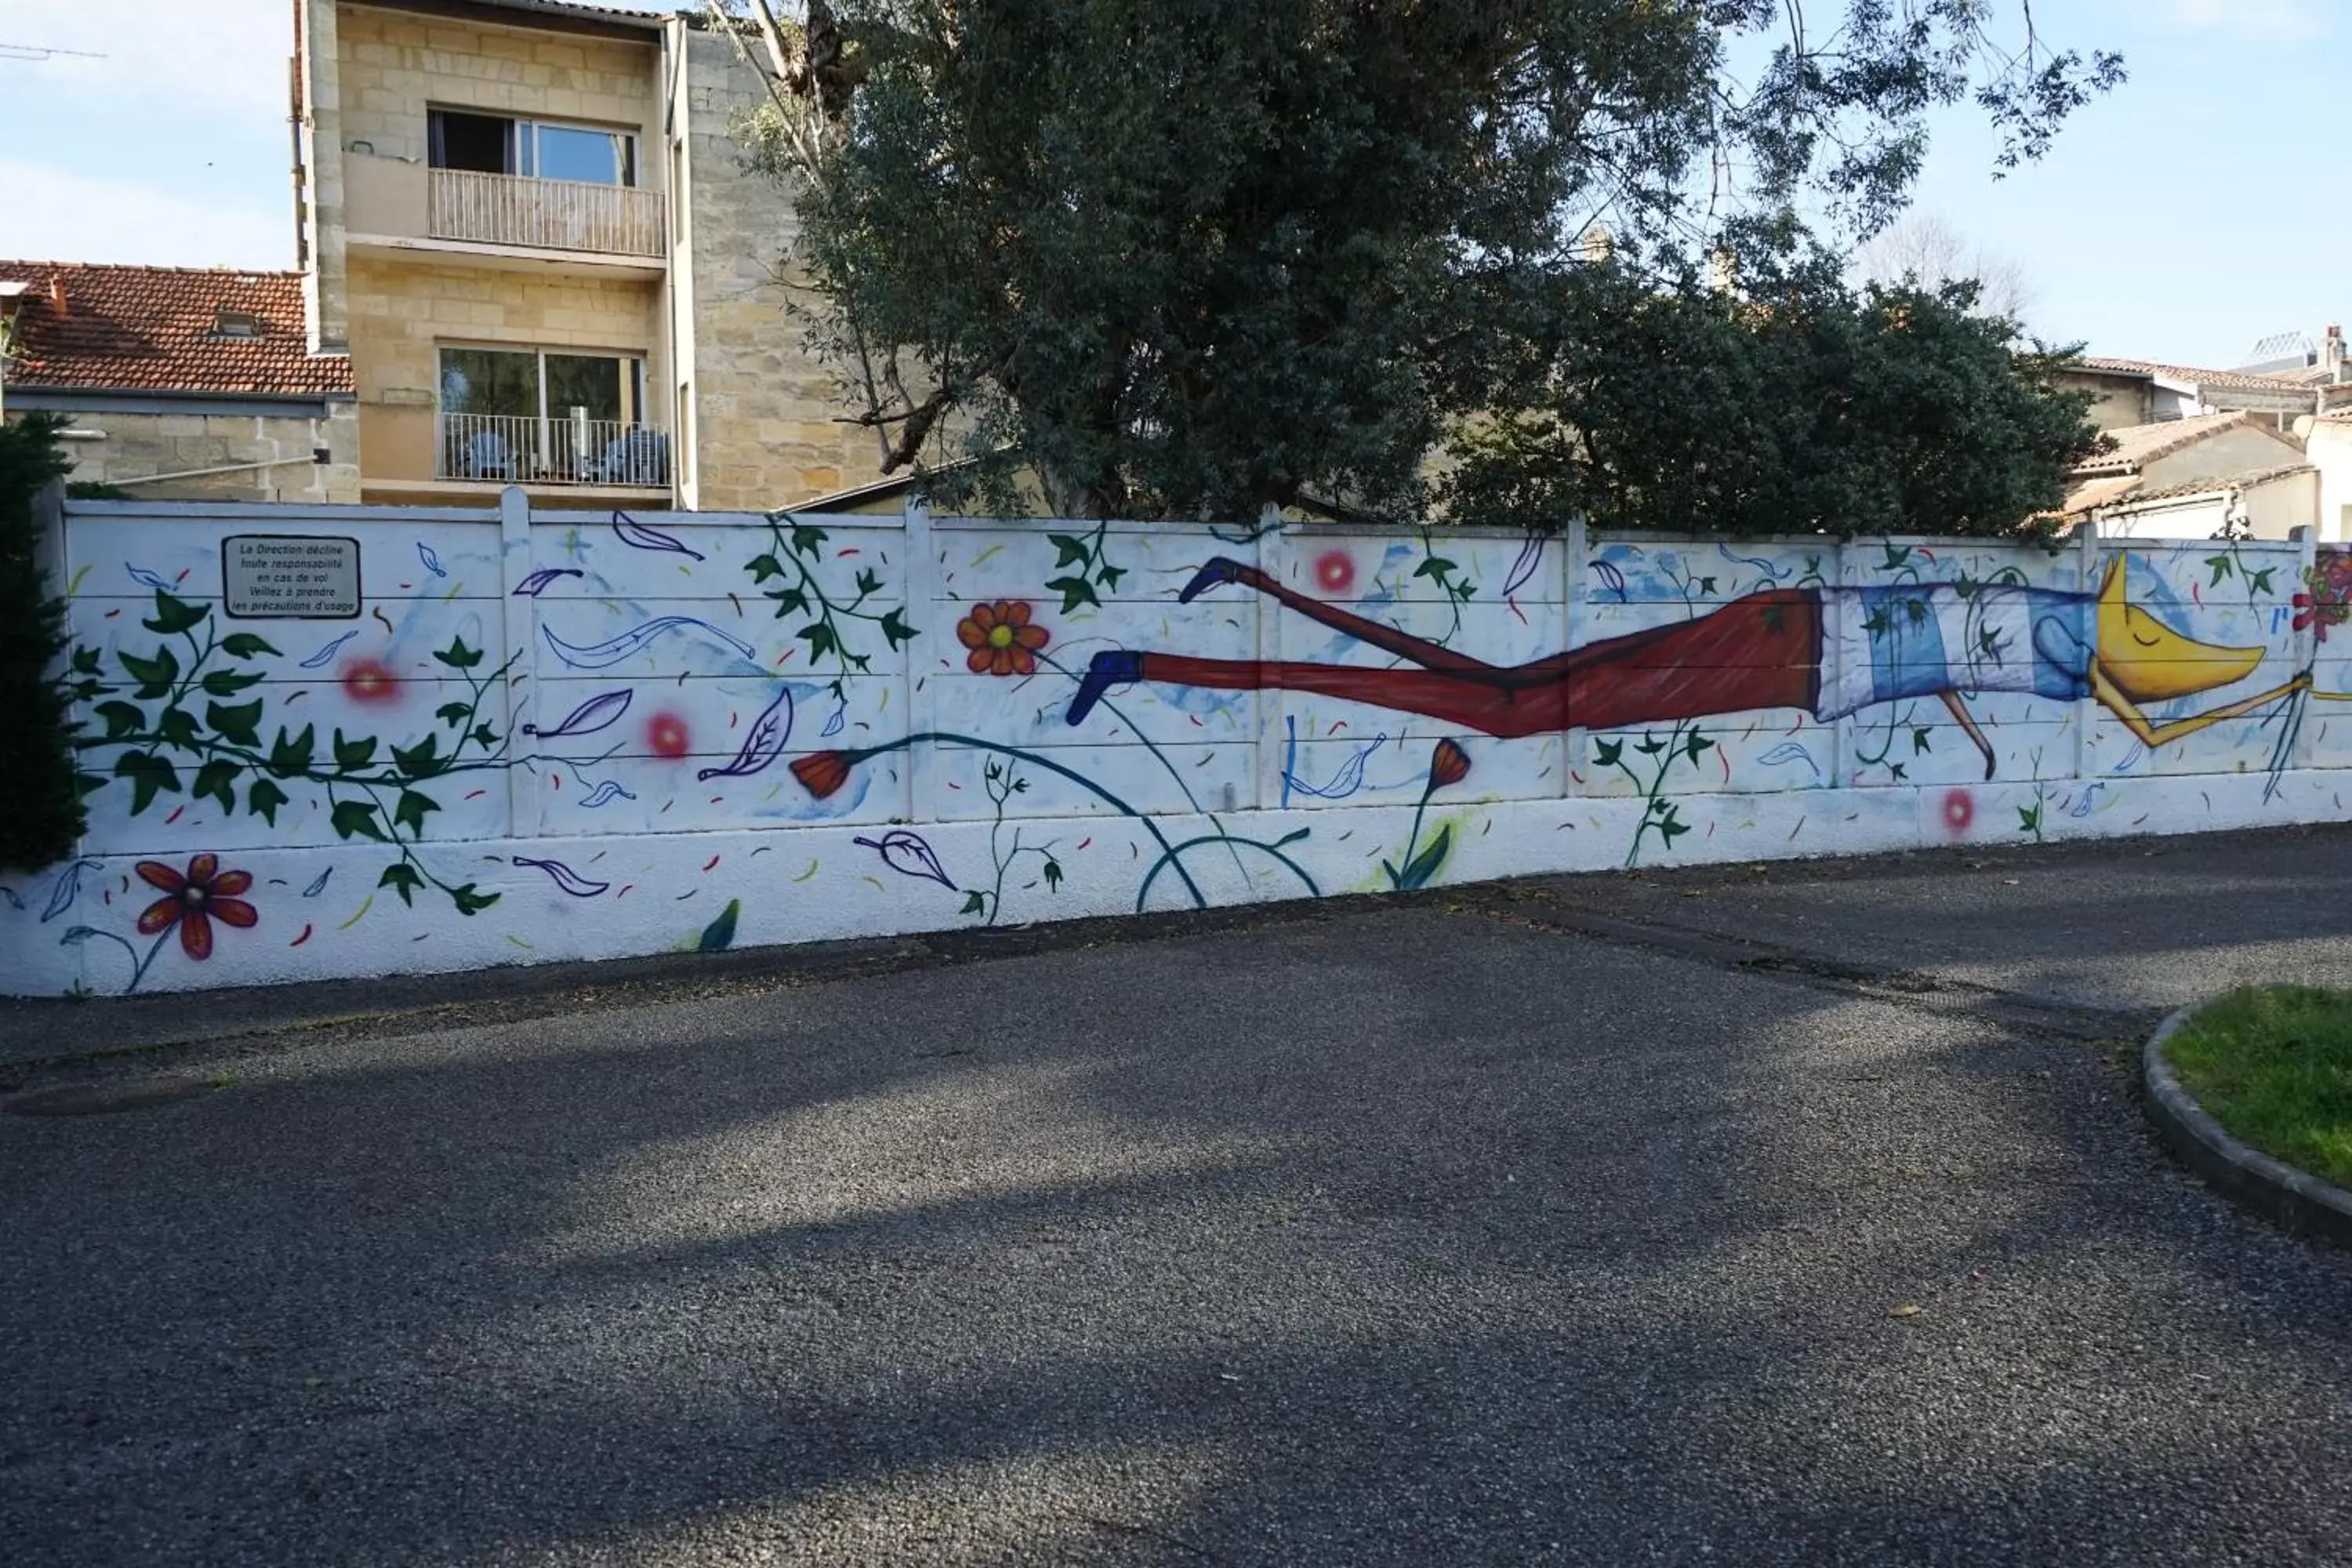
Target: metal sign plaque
[290, 576]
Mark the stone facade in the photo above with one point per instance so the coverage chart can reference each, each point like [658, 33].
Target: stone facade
[765, 414]
[124, 446]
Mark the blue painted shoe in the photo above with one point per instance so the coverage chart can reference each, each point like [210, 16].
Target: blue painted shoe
[1112, 666]
[1219, 569]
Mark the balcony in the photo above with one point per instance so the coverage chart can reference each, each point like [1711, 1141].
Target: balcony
[511, 449]
[545, 214]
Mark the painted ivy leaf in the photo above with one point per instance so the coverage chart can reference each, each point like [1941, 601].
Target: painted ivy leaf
[790, 602]
[1606, 753]
[351, 755]
[1896, 770]
[244, 644]
[1435, 566]
[458, 656]
[2221, 566]
[85, 660]
[1917, 610]
[1108, 575]
[149, 774]
[2029, 818]
[2259, 582]
[291, 757]
[470, 902]
[720, 934]
[806, 537]
[1054, 876]
[213, 780]
[1919, 741]
[154, 675]
[820, 638]
[1423, 865]
[1074, 591]
[87, 784]
[453, 713]
[1896, 558]
[402, 879]
[228, 682]
[484, 736]
[868, 582]
[1067, 550]
[237, 724]
[1671, 826]
[421, 761]
[264, 799]
[178, 727]
[356, 818]
[409, 811]
[173, 615]
[1875, 624]
[1650, 745]
[1707, 585]
[975, 903]
[895, 630]
[763, 567]
[122, 719]
[1697, 746]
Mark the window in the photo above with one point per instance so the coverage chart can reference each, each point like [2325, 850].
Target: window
[496, 144]
[549, 415]
[228, 323]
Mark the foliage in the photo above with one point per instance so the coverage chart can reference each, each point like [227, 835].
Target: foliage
[2275, 1068]
[40, 801]
[1187, 259]
[96, 489]
[796, 554]
[1800, 406]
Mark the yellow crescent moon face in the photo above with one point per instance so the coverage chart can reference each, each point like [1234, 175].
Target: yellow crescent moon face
[2150, 662]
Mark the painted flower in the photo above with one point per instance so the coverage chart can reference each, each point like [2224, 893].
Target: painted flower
[370, 681]
[1449, 764]
[192, 901]
[822, 773]
[1001, 639]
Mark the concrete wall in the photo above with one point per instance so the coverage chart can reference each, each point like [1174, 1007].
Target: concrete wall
[402, 309]
[765, 430]
[2118, 402]
[120, 447]
[2225, 455]
[578, 735]
[2328, 448]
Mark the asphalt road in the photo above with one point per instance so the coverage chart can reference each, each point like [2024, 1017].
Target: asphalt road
[1576, 1220]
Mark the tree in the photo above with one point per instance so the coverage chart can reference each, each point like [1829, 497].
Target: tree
[1797, 407]
[40, 800]
[1189, 259]
[1921, 248]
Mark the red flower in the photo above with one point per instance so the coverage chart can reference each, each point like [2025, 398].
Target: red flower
[666, 734]
[1959, 810]
[368, 681]
[1335, 571]
[1002, 640]
[822, 772]
[1449, 764]
[193, 901]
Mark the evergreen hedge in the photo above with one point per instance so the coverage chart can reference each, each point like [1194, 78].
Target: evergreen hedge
[40, 800]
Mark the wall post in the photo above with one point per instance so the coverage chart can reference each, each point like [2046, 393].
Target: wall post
[522, 647]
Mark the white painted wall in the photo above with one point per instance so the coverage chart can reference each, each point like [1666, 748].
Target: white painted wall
[647, 756]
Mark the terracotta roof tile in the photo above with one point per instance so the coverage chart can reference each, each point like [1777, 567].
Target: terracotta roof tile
[2242, 381]
[161, 328]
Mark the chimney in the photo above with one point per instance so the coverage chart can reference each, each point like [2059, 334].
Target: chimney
[2331, 355]
[57, 292]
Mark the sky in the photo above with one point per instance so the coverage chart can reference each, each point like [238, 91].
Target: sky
[2181, 219]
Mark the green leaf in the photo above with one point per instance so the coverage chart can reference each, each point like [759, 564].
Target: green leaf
[820, 638]
[1437, 566]
[352, 756]
[974, 903]
[289, 758]
[409, 811]
[790, 602]
[1650, 745]
[1075, 592]
[720, 934]
[1917, 610]
[1896, 558]
[470, 902]
[2029, 819]
[1608, 754]
[1695, 746]
[1108, 575]
[239, 724]
[264, 799]
[213, 780]
[178, 727]
[453, 713]
[173, 615]
[403, 878]
[1053, 875]
[85, 660]
[228, 682]
[1919, 741]
[868, 582]
[806, 537]
[1423, 865]
[763, 567]
[122, 719]
[86, 784]
[2221, 566]
[421, 761]
[1671, 826]
[149, 774]
[458, 656]
[2259, 582]
[154, 675]
[1067, 550]
[1876, 623]
[895, 630]
[484, 736]
[1895, 770]
[356, 818]
[244, 644]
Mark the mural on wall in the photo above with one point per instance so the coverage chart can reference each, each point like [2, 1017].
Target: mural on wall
[585, 736]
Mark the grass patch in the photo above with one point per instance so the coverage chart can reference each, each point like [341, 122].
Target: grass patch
[2273, 1067]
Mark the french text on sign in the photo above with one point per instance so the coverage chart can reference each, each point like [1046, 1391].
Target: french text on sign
[289, 576]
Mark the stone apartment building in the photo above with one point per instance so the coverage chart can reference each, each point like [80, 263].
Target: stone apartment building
[527, 224]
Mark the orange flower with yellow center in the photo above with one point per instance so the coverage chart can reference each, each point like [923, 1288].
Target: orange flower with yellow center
[1001, 639]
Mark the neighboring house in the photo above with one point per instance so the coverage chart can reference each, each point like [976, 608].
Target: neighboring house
[530, 226]
[2192, 478]
[2327, 445]
[2289, 377]
[179, 383]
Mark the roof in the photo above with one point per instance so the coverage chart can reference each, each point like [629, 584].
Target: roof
[631, 17]
[159, 329]
[2240, 379]
[2119, 490]
[2137, 446]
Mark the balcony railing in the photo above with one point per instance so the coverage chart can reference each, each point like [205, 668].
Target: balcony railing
[557, 450]
[553, 214]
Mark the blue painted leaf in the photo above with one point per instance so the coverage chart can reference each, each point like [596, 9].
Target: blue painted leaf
[536, 583]
[598, 712]
[907, 854]
[326, 655]
[1530, 556]
[835, 719]
[720, 934]
[766, 738]
[637, 535]
[146, 579]
[614, 649]
[319, 884]
[1791, 752]
[431, 561]
[606, 793]
[66, 888]
[565, 876]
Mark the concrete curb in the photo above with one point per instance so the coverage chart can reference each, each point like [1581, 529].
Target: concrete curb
[2296, 1201]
